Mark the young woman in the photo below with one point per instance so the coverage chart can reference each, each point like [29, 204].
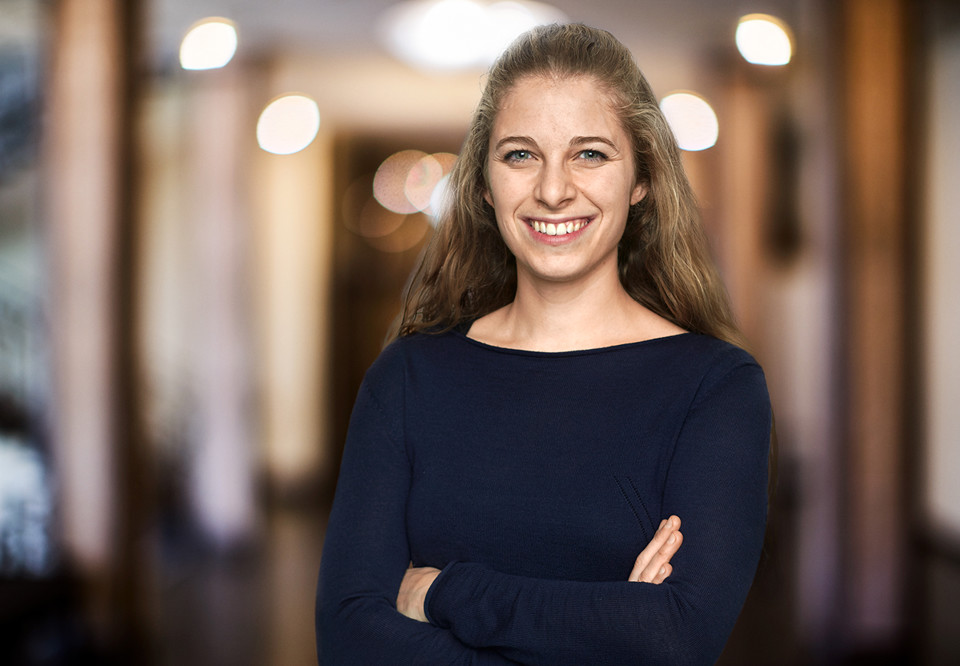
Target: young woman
[565, 386]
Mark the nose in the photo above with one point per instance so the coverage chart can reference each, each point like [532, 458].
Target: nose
[554, 186]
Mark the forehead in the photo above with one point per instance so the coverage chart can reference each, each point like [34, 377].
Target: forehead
[546, 104]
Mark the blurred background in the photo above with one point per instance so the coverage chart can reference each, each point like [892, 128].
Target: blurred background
[204, 236]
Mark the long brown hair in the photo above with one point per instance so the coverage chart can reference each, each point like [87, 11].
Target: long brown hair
[663, 258]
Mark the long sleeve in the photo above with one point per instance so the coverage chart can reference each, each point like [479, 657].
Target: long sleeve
[366, 550]
[716, 481]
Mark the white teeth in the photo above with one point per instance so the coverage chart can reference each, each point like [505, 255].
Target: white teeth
[561, 229]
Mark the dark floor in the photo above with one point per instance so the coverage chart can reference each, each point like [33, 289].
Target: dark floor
[253, 608]
[938, 627]
[256, 608]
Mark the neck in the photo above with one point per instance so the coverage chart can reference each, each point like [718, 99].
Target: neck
[555, 316]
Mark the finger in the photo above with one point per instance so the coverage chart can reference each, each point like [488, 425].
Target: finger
[646, 555]
[663, 574]
[662, 557]
[660, 537]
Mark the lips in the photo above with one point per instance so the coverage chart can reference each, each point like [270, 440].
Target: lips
[560, 228]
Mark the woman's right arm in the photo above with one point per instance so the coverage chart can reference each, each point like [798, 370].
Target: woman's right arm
[366, 552]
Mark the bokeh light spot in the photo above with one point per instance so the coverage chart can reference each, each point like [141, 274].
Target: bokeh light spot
[692, 120]
[764, 40]
[439, 194]
[288, 124]
[209, 44]
[439, 200]
[446, 160]
[390, 181]
[421, 181]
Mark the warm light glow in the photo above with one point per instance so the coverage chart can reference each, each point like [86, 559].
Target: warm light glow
[439, 200]
[288, 124]
[764, 40]
[363, 215]
[421, 181]
[379, 227]
[383, 208]
[209, 44]
[390, 181]
[440, 191]
[407, 182]
[407, 236]
[507, 20]
[459, 34]
[692, 120]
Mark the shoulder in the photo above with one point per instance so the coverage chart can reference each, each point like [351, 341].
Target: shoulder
[735, 389]
[712, 354]
[413, 350]
[717, 365]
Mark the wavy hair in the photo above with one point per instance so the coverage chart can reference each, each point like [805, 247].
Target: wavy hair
[664, 262]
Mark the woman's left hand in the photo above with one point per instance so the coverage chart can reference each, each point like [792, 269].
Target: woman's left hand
[653, 564]
[413, 591]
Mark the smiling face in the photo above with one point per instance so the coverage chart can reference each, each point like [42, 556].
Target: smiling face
[561, 178]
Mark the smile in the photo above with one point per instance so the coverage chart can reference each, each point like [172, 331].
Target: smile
[558, 228]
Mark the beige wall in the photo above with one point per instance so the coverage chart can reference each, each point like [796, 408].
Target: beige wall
[941, 276]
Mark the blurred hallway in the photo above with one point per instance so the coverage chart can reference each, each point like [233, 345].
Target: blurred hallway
[187, 310]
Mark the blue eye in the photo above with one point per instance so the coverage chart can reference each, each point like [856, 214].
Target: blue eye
[517, 156]
[593, 155]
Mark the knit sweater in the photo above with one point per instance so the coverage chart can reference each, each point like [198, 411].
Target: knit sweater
[533, 480]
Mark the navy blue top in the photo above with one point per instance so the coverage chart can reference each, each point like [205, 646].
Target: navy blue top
[533, 480]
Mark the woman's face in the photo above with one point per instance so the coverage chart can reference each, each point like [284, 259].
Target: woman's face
[561, 178]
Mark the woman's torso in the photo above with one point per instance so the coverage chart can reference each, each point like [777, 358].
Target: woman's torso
[549, 465]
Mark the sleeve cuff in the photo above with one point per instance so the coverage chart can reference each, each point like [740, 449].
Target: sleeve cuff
[430, 604]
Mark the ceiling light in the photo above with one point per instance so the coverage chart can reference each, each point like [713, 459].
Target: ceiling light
[692, 120]
[209, 44]
[764, 40]
[288, 124]
[459, 34]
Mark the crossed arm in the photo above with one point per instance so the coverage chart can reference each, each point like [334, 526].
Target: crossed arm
[651, 566]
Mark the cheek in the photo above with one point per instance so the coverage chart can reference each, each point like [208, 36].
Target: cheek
[512, 233]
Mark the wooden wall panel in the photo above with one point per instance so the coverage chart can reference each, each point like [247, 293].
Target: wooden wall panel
[875, 233]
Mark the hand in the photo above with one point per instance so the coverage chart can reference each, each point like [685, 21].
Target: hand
[653, 564]
[413, 591]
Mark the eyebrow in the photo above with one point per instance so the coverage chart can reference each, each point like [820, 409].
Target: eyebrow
[581, 140]
[576, 141]
[525, 140]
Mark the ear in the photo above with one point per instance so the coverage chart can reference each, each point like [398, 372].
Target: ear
[487, 197]
[639, 192]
